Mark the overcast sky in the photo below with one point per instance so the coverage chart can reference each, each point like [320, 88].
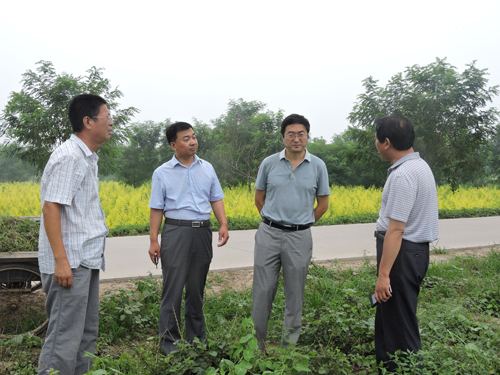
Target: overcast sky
[187, 59]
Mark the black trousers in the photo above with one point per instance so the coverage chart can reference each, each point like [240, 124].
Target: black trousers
[396, 323]
[186, 254]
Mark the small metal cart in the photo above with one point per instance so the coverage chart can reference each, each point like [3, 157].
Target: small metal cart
[22, 299]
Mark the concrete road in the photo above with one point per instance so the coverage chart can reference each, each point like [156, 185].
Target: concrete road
[127, 257]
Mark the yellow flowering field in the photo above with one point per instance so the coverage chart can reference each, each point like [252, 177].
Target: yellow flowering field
[124, 205]
[468, 197]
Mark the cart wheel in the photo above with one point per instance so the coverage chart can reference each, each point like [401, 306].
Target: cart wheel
[22, 300]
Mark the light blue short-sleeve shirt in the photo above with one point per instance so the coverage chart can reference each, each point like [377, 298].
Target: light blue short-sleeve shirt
[291, 193]
[185, 193]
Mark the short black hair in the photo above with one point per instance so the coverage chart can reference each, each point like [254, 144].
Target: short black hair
[398, 129]
[173, 129]
[81, 106]
[294, 119]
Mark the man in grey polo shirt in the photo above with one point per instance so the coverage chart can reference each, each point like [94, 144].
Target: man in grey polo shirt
[408, 221]
[288, 183]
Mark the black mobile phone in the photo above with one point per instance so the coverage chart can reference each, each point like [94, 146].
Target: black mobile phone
[373, 301]
[156, 261]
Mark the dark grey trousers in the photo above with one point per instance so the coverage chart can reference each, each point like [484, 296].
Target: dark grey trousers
[186, 254]
[396, 323]
[73, 325]
[276, 248]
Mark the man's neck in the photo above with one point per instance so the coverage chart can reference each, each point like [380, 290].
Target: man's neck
[401, 154]
[187, 161]
[295, 156]
[88, 142]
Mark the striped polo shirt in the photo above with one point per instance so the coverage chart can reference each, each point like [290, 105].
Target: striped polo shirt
[410, 196]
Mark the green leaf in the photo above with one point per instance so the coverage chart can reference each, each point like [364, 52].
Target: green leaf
[248, 354]
[301, 367]
[253, 343]
[246, 338]
[472, 346]
[242, 367]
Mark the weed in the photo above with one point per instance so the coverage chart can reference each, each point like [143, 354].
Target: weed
[18, 234]
[457, 316]
[438, 250]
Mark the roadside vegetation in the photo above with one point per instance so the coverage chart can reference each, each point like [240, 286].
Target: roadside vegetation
[18, 234]
[459, 314]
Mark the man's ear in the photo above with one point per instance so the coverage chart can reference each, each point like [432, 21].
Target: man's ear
[387, 143]
[86, 122]
[172, 146]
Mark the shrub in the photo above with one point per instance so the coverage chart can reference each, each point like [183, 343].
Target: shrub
[17, 234]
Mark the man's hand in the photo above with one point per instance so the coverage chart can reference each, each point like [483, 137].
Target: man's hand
[52, 223]
[383, 289]
[63, 275]
[223, 235]
[390, 251]
[154, 249]
[155, 219]
[220, 215]
[321, 207]
[260, 199]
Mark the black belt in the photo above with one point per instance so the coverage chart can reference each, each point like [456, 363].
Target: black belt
[291, 227]
[380, 234]
[188, 223]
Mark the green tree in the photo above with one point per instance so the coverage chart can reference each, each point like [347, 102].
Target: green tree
[35, 119]
[448, 109]
[14, 170]
[494, 157]
[145, 151]
[206, 140]
[341, 170]
[245, 135]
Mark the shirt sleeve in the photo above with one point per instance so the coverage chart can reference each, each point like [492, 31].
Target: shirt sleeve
[157, 200]
[400, 200]
[216, 193]
[62, 178]
[323, 183]
[261, 181]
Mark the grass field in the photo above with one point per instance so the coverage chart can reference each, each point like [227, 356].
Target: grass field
[459, 316]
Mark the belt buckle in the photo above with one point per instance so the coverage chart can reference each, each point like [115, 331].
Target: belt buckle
[196, 224]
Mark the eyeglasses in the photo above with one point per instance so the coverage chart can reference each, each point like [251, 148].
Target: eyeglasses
[292, 136]
[110, 118]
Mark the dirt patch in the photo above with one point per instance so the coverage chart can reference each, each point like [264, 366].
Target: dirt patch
[238, 280]
[21, 311]
[241, 280]
[115, 286]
